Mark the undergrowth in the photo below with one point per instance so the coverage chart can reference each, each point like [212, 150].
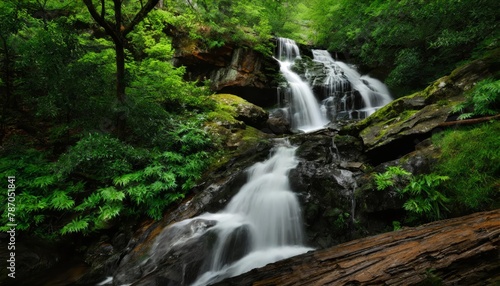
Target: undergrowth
[471, 158]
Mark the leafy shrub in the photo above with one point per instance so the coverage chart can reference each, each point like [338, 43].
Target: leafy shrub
[483, 99]
[100, 179]
[424, 200]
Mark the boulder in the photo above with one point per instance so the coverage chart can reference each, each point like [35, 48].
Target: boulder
[242, 110]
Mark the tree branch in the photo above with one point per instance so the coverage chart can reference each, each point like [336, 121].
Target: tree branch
[139, 16]
[100, 19]
[469, 121]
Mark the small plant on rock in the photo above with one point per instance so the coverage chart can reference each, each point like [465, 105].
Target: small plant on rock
[423, 197]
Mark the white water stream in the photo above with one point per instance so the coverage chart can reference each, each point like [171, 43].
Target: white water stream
[346, 93]
[339, 76]
[263, 223]
[305, 110]
[265, 215]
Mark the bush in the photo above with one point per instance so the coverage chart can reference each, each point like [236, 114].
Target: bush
[482, 100]
[424, 200]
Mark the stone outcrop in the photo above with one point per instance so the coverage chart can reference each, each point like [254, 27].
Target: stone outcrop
[243, 110]
[395, 128]
[231, 69]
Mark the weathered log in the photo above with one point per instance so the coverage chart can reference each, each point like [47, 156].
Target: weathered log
[459, 251]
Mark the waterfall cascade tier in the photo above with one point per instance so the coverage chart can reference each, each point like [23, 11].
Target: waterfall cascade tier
[333, 91]
[304, 109]
[347, 93]
[261, 224]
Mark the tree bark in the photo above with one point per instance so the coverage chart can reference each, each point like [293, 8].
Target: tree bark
[460, 251]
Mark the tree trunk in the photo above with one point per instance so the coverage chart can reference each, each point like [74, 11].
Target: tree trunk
[460, 251]
[120, 89]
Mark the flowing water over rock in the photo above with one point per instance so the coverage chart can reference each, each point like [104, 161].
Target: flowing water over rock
[260, 225]
[343, 85]
[304, 109]
[343, 92]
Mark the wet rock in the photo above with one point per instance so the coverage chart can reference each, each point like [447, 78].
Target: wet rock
[278, 122]
[230, 69]
[176, 256]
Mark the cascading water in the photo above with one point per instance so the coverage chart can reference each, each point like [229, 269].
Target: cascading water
[345, 93]
[260, 225]
[341, 85]
[305, 112]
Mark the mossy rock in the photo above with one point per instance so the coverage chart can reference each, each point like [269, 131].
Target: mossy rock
[231, 106]
[421, 112]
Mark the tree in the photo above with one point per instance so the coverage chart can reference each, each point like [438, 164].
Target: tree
[118, 29]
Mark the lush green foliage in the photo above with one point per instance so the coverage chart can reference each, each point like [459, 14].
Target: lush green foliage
[247, 23]
[483, 99]
[60, 113]
[471, 157]
[423, 199]
[417, 40]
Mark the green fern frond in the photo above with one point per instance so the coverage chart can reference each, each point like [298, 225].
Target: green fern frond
[44, 181]
[128, 178]
[61, 201]
[465, 116]
[111, 194]
[108, 212]
[76, 225]
[89, 202]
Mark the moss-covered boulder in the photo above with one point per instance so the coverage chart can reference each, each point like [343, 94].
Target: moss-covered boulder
[232, 107]
[408, 118]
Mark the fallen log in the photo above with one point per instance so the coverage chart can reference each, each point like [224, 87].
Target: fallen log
[459, 251]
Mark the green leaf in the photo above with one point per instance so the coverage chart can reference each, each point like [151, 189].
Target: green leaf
[111, 194]
[76, 225]
[61, 201]
[108, 212]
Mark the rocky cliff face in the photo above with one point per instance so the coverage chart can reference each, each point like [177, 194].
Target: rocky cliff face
[231, 69]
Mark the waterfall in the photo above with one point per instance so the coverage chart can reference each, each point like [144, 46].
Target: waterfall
[345, 92]
[341, 86]
[305, 111]
[261, 224]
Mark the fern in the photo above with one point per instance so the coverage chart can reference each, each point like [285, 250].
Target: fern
[483, 100]
[128, 178]
[109, 211]
[61, 201]
[44, 181]
[423, 197]
[391, 177]
[110, 194]
[91, 201]
[76, 225]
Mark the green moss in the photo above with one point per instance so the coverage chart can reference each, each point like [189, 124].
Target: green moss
[472, 165]
[226, 109]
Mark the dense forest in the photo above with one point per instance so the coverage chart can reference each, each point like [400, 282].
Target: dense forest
[99, 125]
